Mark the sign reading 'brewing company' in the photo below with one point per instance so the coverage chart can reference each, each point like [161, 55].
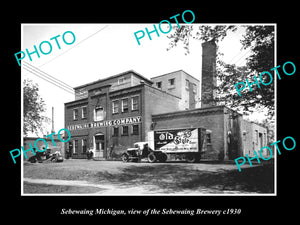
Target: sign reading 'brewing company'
[106, 123]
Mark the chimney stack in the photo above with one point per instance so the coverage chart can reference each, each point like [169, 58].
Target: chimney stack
[209, 80]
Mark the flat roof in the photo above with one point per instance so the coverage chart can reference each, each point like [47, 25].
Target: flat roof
[115, 76]
[175, 72]
[196, 110]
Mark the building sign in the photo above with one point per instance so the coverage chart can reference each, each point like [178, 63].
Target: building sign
[106, 123]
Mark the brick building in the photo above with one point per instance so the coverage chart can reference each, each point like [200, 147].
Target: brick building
[228, 135]
[181, 84]
[254, 137]
[111, 114]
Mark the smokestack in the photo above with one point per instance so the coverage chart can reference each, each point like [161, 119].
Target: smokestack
[209, 80]
[52, 130]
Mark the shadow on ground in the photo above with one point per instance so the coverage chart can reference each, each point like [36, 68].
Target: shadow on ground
[174, 178]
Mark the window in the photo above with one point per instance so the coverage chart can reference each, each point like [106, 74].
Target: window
[171, 82]
[121, 80]
[75, 114]
[187, 84]
[75, 149]
[158, 84]
[260, 141]
[256, 136]
[125, 105]
[135, 129]
[115, 106]
[97, 91]
[84, 112]
[115, 131]
[208, 136]
[125, 130]
[135, 103]
[83, 145]
[195, 88]
[98, 113]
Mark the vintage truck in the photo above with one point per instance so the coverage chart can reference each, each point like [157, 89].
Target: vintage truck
[135, 154]
[182, 143]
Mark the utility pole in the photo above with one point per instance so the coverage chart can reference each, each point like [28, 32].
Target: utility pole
[52, 130]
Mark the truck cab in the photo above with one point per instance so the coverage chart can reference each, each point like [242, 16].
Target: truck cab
[142, 150]
[136, 153]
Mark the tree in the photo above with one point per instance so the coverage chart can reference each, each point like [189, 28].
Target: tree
[34, 106]
[260, 42]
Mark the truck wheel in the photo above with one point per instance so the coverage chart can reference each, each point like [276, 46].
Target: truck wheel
[192, 158]
[151, 157]
[163, 157]
[198, 157]
[125, 157]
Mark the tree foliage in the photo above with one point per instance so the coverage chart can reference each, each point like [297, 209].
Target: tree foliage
[34, 107]
[259, 40]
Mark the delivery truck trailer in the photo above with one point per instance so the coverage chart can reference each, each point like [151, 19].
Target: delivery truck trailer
[182, 143]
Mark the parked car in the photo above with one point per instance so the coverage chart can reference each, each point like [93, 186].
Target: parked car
[52, 155]
[140, 151]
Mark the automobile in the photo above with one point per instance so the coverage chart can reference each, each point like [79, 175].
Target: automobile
[52, 155]
[135, 154]
[140, 151]
[56, 157]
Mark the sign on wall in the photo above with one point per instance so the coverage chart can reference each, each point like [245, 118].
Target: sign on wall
[106, 123]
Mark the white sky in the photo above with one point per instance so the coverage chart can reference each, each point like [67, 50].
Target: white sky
[111, 51]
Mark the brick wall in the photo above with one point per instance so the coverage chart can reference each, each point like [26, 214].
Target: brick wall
[157, 101]
[119, 143]
[176, 89]
[208, 73]
[212, 119]
[187, 97]
[254, 138]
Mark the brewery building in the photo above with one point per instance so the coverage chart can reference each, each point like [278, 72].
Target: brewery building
[111, 114]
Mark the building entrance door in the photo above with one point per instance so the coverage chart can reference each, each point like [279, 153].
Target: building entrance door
[260, 140]
[99, 145]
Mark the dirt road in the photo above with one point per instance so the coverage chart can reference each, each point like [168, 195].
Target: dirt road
[118, 178]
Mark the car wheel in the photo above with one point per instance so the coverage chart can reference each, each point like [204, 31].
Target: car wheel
[125, 157]
[151, 157]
